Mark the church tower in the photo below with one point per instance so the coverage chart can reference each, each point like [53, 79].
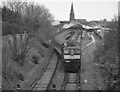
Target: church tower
[72, 13]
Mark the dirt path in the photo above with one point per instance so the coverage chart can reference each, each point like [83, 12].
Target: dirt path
[91, 78]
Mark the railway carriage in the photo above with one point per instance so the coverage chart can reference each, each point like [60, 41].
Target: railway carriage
[71, 58]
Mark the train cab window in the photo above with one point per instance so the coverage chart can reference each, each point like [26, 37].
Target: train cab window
[66, 51]
[77, 51]
[72, 51]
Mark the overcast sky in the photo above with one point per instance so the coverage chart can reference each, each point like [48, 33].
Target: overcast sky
[92, 10]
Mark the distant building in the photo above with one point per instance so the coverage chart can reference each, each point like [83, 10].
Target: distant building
[73, 21]
[83, 21]
[93, 23]
[72, 15]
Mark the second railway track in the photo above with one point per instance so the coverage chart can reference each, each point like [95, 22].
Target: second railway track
[43, 80]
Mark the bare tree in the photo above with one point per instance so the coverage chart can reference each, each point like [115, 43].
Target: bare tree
[14, 23]
[38, 19]
[28, 20]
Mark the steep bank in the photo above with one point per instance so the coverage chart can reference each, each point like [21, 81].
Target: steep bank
[14, 74]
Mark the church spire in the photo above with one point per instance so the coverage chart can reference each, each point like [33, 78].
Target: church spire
[72, 13]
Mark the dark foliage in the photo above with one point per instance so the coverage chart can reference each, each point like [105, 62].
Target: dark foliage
[28, 20]
[11, 22]
[35, 59]
[108, 57]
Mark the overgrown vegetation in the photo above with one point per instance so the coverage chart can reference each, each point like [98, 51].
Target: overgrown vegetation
[107, 56]
[22, 22]
[27, 19]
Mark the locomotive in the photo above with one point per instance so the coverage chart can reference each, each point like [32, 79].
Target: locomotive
[71, 57]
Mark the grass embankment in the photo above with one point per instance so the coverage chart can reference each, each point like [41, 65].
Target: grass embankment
[14, 74]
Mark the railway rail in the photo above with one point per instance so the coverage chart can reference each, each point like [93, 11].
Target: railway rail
[43, 80]
[71, 82]
[57, 80]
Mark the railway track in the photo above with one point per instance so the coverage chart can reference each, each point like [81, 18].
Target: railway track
[71, 82]
[44, 79]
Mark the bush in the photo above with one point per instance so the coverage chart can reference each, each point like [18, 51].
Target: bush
[108, 58]
[35, 59]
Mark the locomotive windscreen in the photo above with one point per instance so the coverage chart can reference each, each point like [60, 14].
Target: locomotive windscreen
[71, 53]
[71, 50]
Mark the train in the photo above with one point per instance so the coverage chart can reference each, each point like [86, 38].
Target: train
[71, 57]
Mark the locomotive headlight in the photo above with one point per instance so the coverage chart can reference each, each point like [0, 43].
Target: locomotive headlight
[67, 61]
[66, 56]
[77, 56]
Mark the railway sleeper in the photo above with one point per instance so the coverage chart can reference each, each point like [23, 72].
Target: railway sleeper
[44, 80]
[71, 86]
